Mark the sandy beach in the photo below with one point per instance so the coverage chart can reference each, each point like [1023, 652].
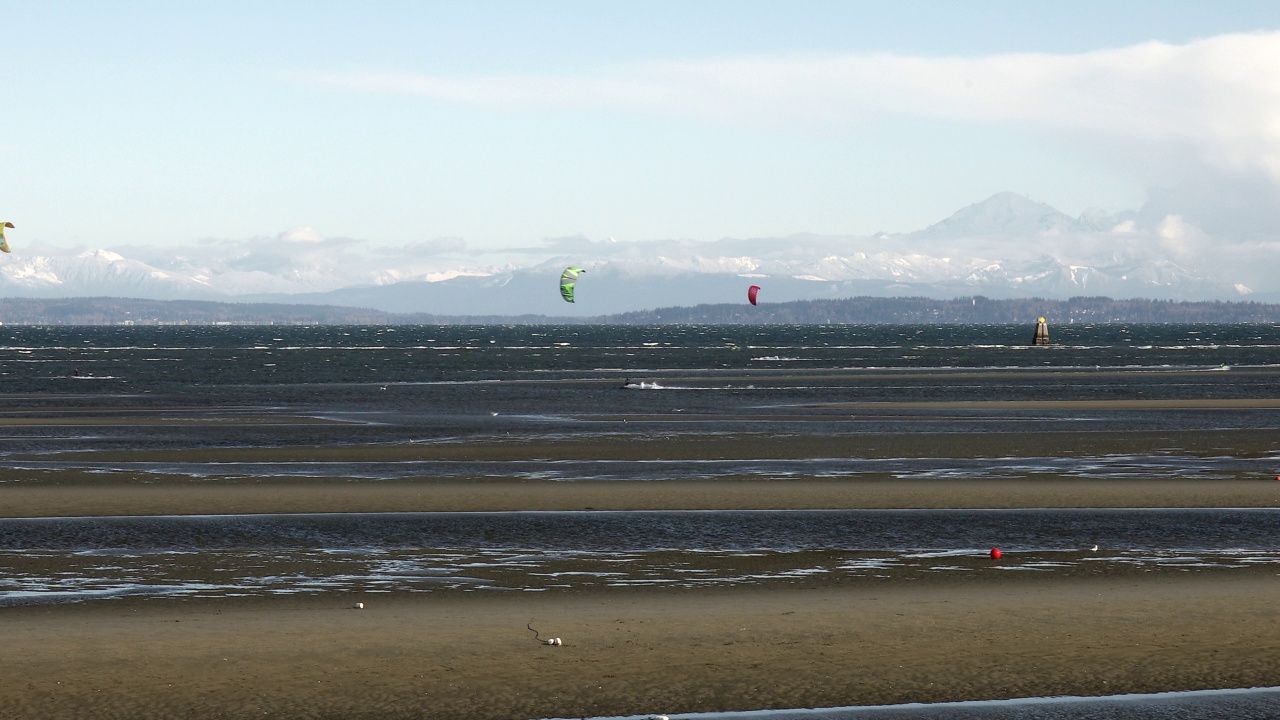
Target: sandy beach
[423, 656]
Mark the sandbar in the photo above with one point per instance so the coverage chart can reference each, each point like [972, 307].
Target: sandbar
[637, 652]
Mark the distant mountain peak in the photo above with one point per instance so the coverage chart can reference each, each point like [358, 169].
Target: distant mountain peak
[1005, 213]
[105, 255]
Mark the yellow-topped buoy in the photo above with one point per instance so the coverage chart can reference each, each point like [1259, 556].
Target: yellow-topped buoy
[1042, 333]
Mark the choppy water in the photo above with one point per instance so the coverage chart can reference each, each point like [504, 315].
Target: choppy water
[191, 390]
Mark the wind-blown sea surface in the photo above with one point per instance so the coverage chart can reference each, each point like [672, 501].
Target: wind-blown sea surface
[439, 384]
[203, 389]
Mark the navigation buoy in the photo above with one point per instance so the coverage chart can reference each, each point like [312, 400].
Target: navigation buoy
[1041, 336]
[995, 553]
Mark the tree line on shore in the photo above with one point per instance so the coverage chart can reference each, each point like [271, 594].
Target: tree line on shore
[976, 309]
[856, 310]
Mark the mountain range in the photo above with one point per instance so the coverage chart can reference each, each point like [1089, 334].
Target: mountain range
[1006, 246]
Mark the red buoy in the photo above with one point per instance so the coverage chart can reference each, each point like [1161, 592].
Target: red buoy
[995, 553]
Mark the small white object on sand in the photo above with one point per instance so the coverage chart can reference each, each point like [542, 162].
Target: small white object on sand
[359, 606]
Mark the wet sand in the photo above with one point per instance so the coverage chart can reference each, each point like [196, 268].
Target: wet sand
[637, 652]
[223, 489]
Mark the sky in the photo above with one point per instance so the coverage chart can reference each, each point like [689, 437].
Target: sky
[481, 126]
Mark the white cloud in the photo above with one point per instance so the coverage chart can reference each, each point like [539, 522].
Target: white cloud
[1217, 98]
[1174, 229]
[303, 234]
[1178, 236]
[435, 246]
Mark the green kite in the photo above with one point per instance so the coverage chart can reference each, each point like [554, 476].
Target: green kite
[568, 279]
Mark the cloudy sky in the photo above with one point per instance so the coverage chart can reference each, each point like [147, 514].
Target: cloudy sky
[475, 126]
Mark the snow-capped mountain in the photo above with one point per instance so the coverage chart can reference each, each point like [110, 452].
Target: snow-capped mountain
[93, 273]
[1005, 246]
[1004, 214]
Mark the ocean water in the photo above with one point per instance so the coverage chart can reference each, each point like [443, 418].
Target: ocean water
[193, 390]
[439, 384]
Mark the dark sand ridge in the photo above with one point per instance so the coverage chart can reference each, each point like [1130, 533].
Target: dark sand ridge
[636, 652]
[686, 443]
[99, 495]
[126, 490]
